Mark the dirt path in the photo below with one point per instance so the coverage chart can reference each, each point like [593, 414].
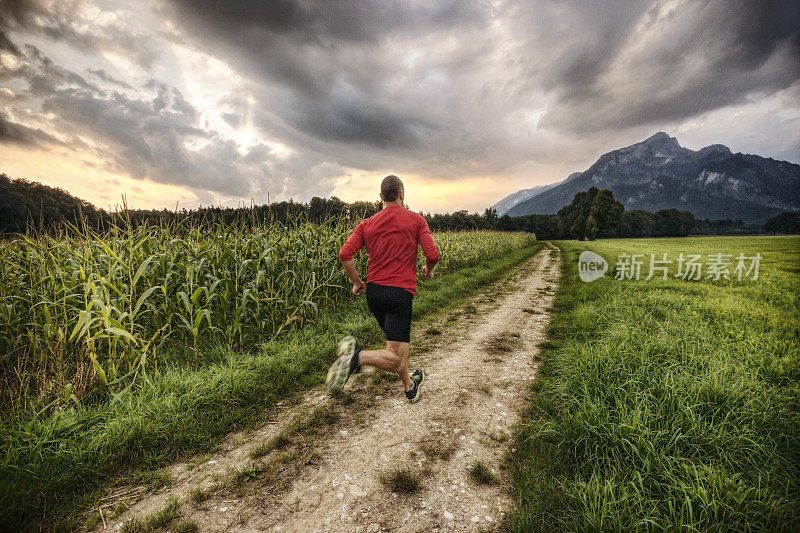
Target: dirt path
[330, 473]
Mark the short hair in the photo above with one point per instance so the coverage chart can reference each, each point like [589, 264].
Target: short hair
[391, 187]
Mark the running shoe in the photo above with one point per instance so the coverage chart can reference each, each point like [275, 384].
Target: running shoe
[417, 378]
[346, 363]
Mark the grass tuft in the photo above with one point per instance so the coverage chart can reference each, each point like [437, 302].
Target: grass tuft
[246, 474]
[185, 526]
[503, 342]
[199, 494]
[481, 473]
[277, 442]
[498, 437]
[438, 450]
[152, 480]
[401, 480]
[156, 520]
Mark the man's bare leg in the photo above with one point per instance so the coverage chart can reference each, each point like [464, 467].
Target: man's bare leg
[394, 358]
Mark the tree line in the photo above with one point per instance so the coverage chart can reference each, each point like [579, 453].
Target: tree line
[787, 223]
[594, 213]
[27, 206]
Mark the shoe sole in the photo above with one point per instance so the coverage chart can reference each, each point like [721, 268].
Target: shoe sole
[338, 374]
[419, 391]
[340, 369]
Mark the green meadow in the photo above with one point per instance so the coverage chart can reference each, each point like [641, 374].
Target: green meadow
[667, 405]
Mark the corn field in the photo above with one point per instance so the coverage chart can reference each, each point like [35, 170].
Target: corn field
[85, 314]
[465, 248]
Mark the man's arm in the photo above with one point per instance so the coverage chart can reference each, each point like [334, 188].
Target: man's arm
[429, 249]
[353, 244]
[352, 273]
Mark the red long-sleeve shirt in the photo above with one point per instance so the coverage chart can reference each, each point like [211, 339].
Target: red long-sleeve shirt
[391, 237]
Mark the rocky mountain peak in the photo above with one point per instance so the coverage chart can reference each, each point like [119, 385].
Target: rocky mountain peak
[658, 173]
[662, 139]
[714, 149]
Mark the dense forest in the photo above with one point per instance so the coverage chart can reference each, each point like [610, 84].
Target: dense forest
[787, 223]
[26, 204]
[29, 206]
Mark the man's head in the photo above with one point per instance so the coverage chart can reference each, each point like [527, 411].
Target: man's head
[392, 189]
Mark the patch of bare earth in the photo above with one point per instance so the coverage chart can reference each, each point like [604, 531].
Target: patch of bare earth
[368, 461]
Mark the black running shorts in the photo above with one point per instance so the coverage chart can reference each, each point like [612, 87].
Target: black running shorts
[391, 307]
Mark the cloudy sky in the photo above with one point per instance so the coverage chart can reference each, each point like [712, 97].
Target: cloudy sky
[207, 102]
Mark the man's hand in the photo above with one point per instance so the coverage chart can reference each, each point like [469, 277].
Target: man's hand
[359, 287]
[427, 273]
[352, 273]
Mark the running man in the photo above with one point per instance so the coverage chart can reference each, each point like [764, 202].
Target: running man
[392, 237]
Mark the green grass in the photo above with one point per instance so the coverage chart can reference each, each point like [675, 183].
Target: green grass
[438, 450]
[480, 473]
[152, 480]
[667, 405]
[401, 480]
[247, 473]
[277, 442]
[156, 521]
[501, 343]
[199, 494]
[185, 526]
[53, 463]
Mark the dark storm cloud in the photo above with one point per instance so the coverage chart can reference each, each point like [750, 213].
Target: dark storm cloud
[19, 12]
[335, 75]
[61, 20]
[13, 133]
[319, 59]
[672, 65]
[46, 75]
[147, 136]
[6, 44]
[582, 38]
[323, 23]
[108, 78]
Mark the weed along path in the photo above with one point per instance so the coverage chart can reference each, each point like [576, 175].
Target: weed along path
[368, 461]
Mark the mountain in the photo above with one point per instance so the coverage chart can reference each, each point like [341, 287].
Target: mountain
[520, 196]
[659, 173]
[515, 198]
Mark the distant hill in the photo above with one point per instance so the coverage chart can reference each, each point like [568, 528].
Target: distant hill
[659, 173]
[26, 204]
[503, 206]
